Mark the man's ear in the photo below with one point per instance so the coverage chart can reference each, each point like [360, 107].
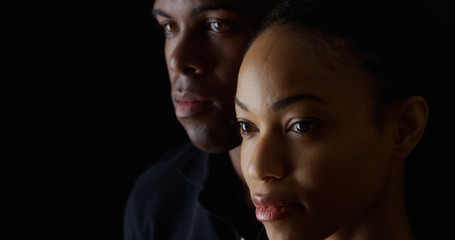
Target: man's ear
[412, 119]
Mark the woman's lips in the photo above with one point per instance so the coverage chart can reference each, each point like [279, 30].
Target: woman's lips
[270, 210]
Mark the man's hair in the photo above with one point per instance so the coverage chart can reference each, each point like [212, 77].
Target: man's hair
[393, 40]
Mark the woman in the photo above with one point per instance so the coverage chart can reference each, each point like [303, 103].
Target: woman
[329, 110]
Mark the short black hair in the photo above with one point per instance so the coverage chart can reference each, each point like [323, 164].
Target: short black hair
[394, 40]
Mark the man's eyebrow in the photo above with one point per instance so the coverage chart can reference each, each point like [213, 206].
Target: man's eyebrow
[282, 103]
[217, 6]
[240, 104]
[160, 12]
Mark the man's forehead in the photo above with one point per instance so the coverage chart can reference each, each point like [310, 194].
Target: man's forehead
[203, 2]
[197, 6]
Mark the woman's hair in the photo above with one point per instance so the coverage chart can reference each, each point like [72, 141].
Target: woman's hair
[392, 40]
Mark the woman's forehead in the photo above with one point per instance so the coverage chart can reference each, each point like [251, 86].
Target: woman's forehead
[281, 64]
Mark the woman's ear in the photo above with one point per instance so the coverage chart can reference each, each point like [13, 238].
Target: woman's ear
[412, 120]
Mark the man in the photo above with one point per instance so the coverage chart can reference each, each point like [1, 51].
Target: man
[194, 194]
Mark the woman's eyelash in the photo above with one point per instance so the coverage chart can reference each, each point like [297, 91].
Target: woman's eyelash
[245, 127]
[303, 126]
[299, 127]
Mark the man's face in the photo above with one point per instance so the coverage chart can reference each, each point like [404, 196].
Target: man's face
[204, 46]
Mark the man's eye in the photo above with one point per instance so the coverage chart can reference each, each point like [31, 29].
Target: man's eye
[219, 26]
[303, 126]
[169, 27]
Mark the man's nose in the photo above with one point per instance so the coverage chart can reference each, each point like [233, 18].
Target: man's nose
[188, 54]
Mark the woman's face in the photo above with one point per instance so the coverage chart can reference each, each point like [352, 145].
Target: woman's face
[312, 155]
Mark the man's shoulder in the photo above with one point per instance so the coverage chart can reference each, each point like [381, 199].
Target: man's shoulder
[167, 170]
[179, 156]
[165, 201]
[173, 161]
[165, 194]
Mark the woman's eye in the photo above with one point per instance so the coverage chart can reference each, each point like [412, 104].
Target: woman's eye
[219, 26]
[303, 126]
[245, 128]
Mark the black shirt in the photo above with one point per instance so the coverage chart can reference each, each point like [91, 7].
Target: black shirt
[190, 194]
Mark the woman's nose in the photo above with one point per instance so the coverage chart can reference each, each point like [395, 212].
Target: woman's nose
[267, 161]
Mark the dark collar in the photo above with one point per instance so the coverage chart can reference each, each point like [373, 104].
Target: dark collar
[202, 169]
[220, 188]
[195, 170]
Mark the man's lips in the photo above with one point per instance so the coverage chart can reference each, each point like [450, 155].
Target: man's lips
[188, 96]
[270, 210]
[189, 104]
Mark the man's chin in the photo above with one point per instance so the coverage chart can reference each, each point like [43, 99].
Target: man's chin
[211, 138]
[213, 143]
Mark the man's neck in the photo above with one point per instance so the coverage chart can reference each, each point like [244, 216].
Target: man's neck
[248, 222]
[234, 155]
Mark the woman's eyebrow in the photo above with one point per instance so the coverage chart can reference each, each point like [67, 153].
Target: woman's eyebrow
[283, 103]
[240, 104]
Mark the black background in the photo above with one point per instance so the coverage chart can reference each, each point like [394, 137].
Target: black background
[131, 119]
[92, 111]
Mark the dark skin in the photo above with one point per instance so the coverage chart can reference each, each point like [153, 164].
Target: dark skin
[204, 45]
[205, 42]
[313, 158]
